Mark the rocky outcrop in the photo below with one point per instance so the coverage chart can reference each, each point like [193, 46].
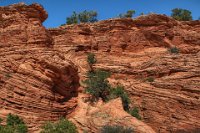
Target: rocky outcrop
[164, 85]
[36, 81]
[92, 117]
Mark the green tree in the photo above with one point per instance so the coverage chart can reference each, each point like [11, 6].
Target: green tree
[73, 19]
[135, 113]
[181, 14]
[62, 126]
[97, 84]
[14, 124]
[128, 14]
[116, 129]
[82, 17]
[120, 92]
[88, 16]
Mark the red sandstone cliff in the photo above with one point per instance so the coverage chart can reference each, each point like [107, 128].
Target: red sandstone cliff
[36, 82]
[40, 69]
[136, 49]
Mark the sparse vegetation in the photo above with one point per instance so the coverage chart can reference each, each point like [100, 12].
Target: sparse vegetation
[73, 19]
[97, 84]
[150, 79]
[88, 16]
[174, 50]
[62, 126]
[119, 92]
[116, 129]
[181, 14]
[82, 17]
[91, 59]
[135, 113]
[128, 14]
[14, 124]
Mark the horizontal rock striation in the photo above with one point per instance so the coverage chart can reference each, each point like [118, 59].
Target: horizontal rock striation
[164, 85]
[40, 69]
[36, 81]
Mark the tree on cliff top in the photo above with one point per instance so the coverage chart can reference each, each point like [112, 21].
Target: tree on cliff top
[128, 14]
[181, 14]
[73, 19]
[82, 17]
[88, 16]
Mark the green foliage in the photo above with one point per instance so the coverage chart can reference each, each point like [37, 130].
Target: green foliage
[128, 14]
[13, 120]
[73, 19]
[174, 50]
[135, 113]
[91, 59]
[14, 124]
[150, 79]
[82, 17]
[1, 120]
[181, 14]
[62, 126]
[119, 92]
[88, 16]
[97, 84]
[116, 129]
[142, 13]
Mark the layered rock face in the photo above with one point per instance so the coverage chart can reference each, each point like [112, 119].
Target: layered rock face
[40, 70]
[164, 85]
[91, 118]
[36, 81]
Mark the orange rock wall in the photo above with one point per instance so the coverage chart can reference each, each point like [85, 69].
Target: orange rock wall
[36, 81]
[135, 50]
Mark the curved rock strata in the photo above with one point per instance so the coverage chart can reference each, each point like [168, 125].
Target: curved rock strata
[36, 81]
[136, 51]
[40, 68]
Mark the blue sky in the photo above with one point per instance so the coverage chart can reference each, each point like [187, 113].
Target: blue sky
[58, 10]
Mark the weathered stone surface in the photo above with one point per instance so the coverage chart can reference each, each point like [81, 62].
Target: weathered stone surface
[39, 79]
[135, 50]
[91, 118]
[36, 82]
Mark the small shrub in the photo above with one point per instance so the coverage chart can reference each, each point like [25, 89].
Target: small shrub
[119, 92]
[91, 59]
[174, 50]
[97, 84]
[14, 124]
[135, 113]
[116, 129]
[62, 126]
[128, 14]
[150, 79]
[13, 120]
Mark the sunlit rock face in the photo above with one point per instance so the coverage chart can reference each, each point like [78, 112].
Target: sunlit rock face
[40, 69]
[164, 85]
[36, 81]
